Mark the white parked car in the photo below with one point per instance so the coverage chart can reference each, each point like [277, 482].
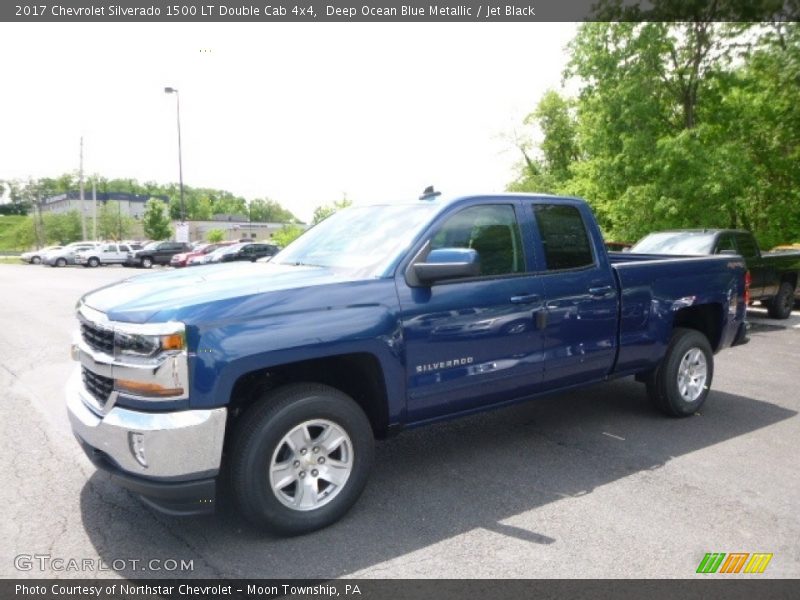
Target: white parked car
[34, 257]
[110, 253]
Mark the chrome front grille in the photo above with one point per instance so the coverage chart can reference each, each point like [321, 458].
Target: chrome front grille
[98, 386]
[97, 337]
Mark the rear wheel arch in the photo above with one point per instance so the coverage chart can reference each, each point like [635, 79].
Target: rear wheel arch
[705, 318]
[680, 384]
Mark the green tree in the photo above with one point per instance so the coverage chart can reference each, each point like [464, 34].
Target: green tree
[323, 212]
[215, 235]
[287, 234]
[112, 224]
[676, 124]
[269, 211]
[155, 220]
[62, 228]
[559, 147]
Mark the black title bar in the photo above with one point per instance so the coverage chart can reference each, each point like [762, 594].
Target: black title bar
[403, 589]
[393, 11]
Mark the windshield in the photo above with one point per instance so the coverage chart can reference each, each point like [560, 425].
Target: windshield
[676, 242]
[218, 251]
[151, 245]
[363, 240]
[234, 247]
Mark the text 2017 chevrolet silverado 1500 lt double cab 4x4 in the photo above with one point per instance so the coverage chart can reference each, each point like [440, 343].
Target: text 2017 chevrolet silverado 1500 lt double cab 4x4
[280, 375]
[774, 276]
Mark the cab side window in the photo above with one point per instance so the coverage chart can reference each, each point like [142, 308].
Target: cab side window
[747, 246]
[725, 243]
[492, 231]
[563, 234]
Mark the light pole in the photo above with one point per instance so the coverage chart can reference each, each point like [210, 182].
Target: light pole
[170, 90]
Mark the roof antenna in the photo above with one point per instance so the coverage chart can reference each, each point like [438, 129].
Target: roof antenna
[429, 194]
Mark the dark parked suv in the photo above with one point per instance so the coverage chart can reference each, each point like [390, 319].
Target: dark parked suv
[251, 252]
[155, 253]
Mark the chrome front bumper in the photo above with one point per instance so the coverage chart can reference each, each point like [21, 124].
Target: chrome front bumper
[173, 446]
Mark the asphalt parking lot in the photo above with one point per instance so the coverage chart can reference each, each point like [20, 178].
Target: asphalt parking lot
[593, 483]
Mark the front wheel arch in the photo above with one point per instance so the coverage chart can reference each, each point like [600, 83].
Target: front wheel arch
[256, 455]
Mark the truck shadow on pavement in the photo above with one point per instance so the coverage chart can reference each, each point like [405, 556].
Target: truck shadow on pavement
[433, 483]
[760, 322]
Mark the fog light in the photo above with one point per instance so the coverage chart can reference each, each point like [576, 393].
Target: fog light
[74, 352]
[136, 444]
[140, 388]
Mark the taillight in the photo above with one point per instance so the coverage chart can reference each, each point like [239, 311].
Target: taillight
[747, 280]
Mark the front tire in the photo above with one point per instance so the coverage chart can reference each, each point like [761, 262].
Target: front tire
[61, 262]
[780, 307]
[300, 458]
[93, 262]
[36, 260]
[147, 262]
[680, 384]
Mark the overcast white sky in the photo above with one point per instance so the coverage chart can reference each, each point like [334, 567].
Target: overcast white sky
[300, 113]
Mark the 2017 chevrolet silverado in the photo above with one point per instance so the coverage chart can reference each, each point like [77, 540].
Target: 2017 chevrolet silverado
[275, 378]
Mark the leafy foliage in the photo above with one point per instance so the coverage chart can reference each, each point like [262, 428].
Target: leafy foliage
[112, 224]
[287, 234]
[323, 212]
[676, 125]
[201, 204]
[215, 235]
[155, 220]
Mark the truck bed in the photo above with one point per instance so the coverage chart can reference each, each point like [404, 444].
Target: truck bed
[654, 286]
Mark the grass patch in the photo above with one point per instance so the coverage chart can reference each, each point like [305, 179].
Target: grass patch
[7, 225]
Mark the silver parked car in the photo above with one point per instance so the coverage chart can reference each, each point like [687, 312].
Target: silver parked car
[66, 256]
[34, 257]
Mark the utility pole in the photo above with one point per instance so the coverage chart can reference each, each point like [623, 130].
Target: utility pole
[41, 233]
[83, 207]
[94, 209]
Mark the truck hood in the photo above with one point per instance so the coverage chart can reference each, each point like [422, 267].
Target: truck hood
[171, 295]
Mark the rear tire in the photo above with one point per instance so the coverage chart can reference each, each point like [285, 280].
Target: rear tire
[36, 260]
[61, 262]
[680, 384]
[780, 307]
[300, 458]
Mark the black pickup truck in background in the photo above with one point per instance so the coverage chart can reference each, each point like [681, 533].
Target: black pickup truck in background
[773, 275]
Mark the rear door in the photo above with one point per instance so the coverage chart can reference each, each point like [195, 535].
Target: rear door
[166, 251]
[474, 341]
[581, 329]
[121, 254]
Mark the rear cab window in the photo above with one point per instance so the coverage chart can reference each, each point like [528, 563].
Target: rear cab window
[564, 237]
[747, 245]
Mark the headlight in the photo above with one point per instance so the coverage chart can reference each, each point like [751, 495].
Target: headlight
[146, 346]
[155, 357]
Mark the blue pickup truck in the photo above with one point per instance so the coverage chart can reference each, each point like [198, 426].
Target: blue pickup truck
[272, 380]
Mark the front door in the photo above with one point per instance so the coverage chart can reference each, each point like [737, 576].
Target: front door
[473, 341]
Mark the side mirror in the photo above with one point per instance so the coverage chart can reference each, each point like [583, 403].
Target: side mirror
[448, 263]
